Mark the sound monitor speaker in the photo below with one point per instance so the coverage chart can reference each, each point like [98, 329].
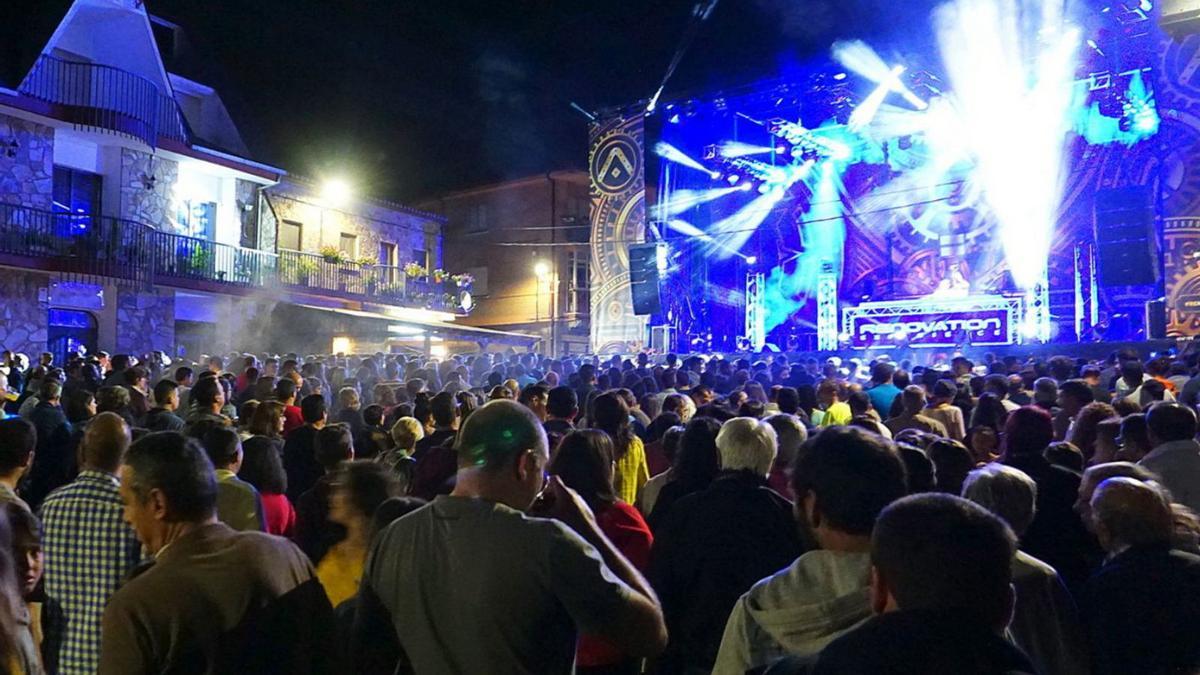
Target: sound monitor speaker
[1156, 319]
[1126, 246]
[643, 278]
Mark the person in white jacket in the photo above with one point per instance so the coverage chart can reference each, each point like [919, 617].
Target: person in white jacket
[844, 478]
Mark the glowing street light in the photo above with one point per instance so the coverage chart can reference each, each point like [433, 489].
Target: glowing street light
[541, 269]
[336, 192]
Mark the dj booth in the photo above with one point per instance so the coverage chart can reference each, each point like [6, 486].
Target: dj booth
[981, 320]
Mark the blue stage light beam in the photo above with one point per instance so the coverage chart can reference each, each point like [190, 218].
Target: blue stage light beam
[680, 201]
[689, 230]
[865, 112]
[731, 234]
[858, 56]
[674, 154]
[1012, 65]
[739, 149]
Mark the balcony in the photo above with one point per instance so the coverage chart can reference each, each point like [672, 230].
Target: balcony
[126, 250]
[101, 96]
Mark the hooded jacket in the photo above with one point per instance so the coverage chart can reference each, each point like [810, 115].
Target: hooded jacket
[796, 611]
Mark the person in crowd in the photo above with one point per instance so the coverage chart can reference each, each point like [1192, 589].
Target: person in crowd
[1105, 444]
[444, 411]
[941, 408]
[359, 487]
[18, 441]
[697, 463]
[1084, 429]
[842, 480]
[137, 381]
[88, 546]
[299, 448]
[913, 417]
[208, 399]
[1144, 594]
[535, 397]
[669, 444]
[716, 543]
[1045, 622]
[293, 416]
[262, 468]
[185, 377]
[315, 533]
[1176, 454]
[584, 462]
[952, 461]
[115, 399]
[882, 390]
[791, 434]
[562, 405]
[610, 414]
[1066, 455]
[984, 443]
[1134, 440]
[238, 503]
[1073, 395]
[834, 412]
[349, 410]
[208, 582]
[163, 417]
[54, 456]
[440, 618]
[1056, 535]
[41, 616]
[990, 411]
[374, 440]
[941, 589]
[266, 427]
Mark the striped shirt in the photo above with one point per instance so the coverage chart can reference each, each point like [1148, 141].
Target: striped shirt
[88, 549]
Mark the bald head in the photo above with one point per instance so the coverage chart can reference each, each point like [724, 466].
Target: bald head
[1130, 512]
[497, 433]
[105, 442]
[913, 399]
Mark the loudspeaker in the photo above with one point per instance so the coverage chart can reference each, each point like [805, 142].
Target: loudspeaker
[643, 278]
[1126, 247]
[1180, 17]
[1156, 319]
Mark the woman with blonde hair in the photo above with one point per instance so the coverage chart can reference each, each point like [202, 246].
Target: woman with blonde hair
[405, 434]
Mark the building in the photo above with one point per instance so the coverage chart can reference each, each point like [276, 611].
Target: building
[525, 242]
[132, 218]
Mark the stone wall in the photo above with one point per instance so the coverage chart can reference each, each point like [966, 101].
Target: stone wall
[153, 206]
[145, 321]
[23, 320]
[26, 169]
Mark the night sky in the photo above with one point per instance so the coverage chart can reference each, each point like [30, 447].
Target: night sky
[409, 99]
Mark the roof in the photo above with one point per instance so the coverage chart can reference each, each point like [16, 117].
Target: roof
[25, 28]
[470, 331]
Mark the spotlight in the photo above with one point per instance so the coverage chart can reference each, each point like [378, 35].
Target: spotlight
[335, 192]
[715, 174]
[674, 119]
[839, 76]
[750, 259]
[746, 187]
[780, 149]
[732, 178]
[764, 188]
[541, 269]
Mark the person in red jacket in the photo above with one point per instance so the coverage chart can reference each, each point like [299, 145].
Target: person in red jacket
[584, 463]
[285, 393]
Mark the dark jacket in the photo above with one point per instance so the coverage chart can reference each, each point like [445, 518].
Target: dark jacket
[920, 642]
[713, 546]
[1141, 611]
[315, 535]
[1057, 536]
[300, 461]
[54, 462]
[436, 439]
[161, 419]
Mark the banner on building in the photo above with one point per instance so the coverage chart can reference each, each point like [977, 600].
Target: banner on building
[618, 191]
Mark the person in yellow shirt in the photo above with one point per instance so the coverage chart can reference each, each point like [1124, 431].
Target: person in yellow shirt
[358, 489]
[630, 471]
[837, 413]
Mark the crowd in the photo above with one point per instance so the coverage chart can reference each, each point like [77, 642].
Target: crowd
[518, 513]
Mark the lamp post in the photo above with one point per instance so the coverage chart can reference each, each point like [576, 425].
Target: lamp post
[541, 270]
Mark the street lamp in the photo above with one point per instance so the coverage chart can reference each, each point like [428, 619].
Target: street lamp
[336, 192]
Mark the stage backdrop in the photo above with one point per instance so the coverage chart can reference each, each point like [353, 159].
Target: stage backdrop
[616, 164]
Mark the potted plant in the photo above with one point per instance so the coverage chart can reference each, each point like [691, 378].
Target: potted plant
[331, 254]
[439, 275]
[463, 280]
[414, 270]
[305, 269]
[367, 261]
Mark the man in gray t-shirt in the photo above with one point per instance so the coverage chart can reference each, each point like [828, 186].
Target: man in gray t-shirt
[471, 584]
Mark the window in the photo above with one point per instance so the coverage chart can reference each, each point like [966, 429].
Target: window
[289, 235]
[579, 283]
[76, 193]
[477, 219]
[387, 253]
[196, 219]
[348, 244]
[421, 257]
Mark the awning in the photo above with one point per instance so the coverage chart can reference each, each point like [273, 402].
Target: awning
[430, 324]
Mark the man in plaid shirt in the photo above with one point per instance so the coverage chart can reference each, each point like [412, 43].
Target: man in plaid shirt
[88, 546]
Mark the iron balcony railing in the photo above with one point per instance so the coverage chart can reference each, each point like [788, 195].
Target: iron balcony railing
[123, 249]
[102, 96]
